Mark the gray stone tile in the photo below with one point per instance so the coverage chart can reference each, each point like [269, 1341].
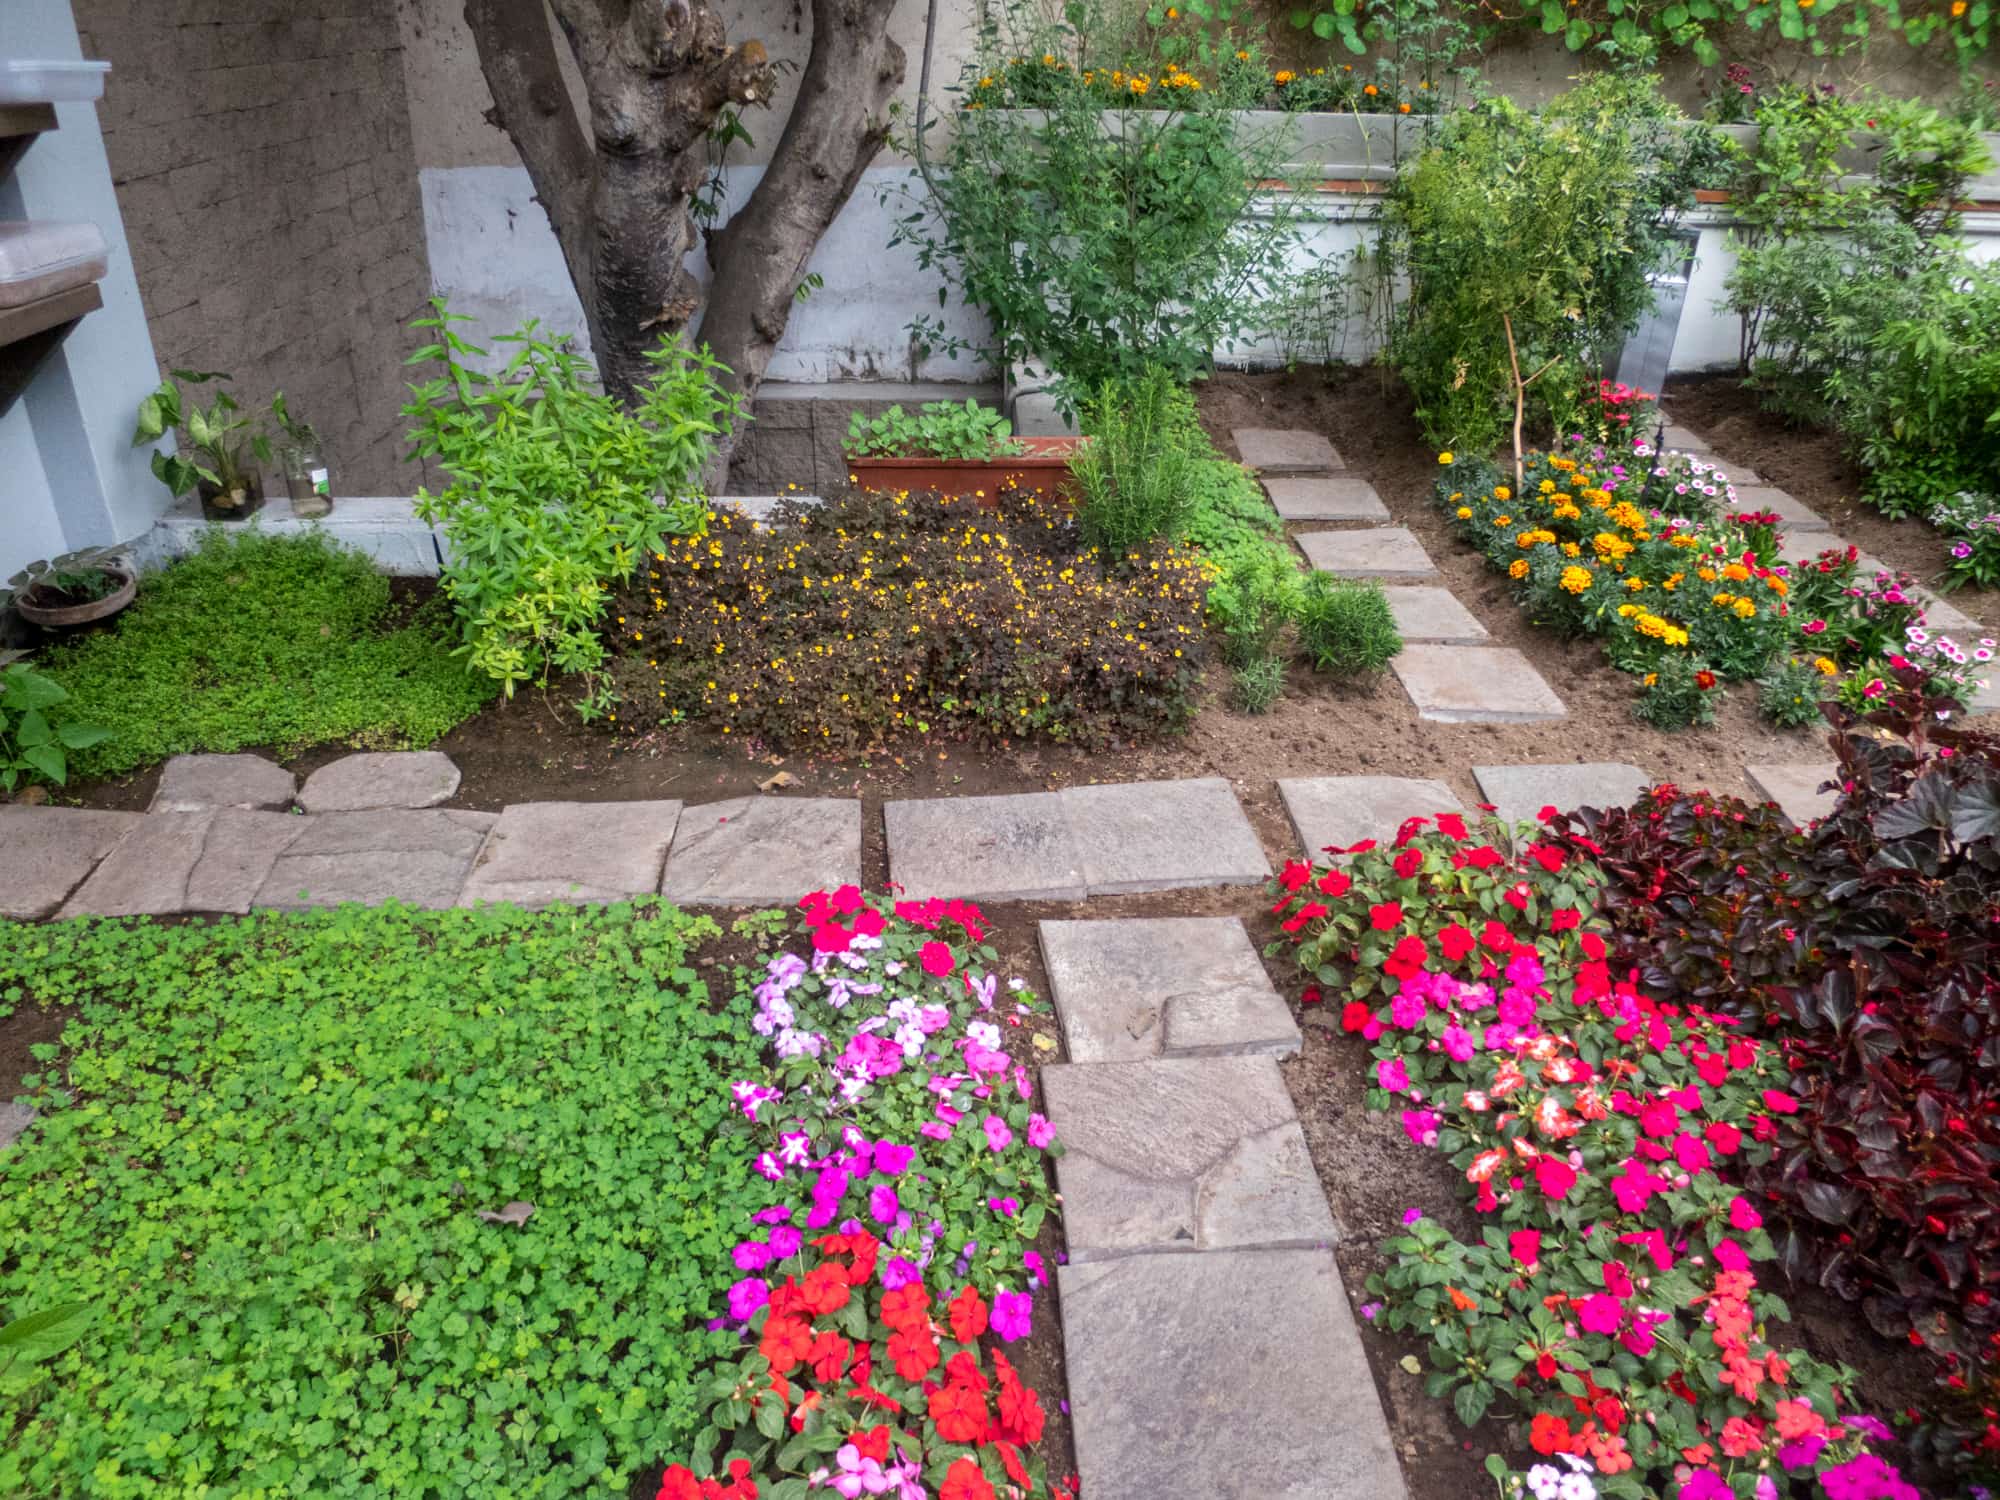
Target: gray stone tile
[1139, 987]
[1475, 685]
[181, 862]
[1428, 615]
[241, 851]
[196, 783]
[1281, 450]
[418, 857]
[1685, 439]
[14, 1119]
[1237, 1373]
[1942, 615]
[1011, 848]
[542, 853]
[1344, 810]
[1376, 552]
[1797, 517]
[1521, 792]
[1795, 788]
[1180, 1154]
[45, 853]
[1325, 497]
[764, 851]
[1162, 835]
[380, 778]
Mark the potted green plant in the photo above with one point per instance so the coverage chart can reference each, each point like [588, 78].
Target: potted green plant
[221, 439]
[303, 457]
[74, 589]
[958, 449]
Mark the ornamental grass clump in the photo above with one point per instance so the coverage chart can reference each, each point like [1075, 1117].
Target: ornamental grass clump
[1345, 626]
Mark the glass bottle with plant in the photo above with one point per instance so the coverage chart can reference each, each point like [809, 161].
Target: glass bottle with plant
[303, 457]
[220, 436]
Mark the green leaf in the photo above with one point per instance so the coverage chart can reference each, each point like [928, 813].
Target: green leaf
[43, 1335]
[48, 759]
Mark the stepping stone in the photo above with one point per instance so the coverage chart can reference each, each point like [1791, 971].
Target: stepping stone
[1344, 810]
[45, 853]
[1162, 835]
[1795, 788]
[1142, 987]
[1321, 497]
[1378, 552]
[764, 851]
[1182, 1154]
[1475, 685]
[416, 857]
[1427, 615]
[1685, 440]
[182, 862]
[380, 778]
[1237, 1373]
[541, 853]
[14, 1118]
[1942, 615]
[1796, 516]
[1011, 848]
[1521, 792]
[196, 783]
[1285, 450]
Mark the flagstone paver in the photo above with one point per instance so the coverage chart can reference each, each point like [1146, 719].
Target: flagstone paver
[1475, 685]
[419, 857]
[1162, 835]
[1014, 848]
[1428, 615]
[1797, 516]
[1344, 810]
[1293, 450]
[14, 1118]
[196, 783]
[1942, 614]
[1795, 788]
[1234, 1373]
[1325, 497]
[764, 851]
[1142, 987]
[1685, 440]
[1521, 792]
[1375, 552]
[1181, 1154]
[46, 852]
[541, 853]
[380, 778]
[182, 862]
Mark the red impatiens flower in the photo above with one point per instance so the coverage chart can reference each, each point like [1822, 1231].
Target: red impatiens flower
[913, 1352]
[1549, 1433]
[1564, 920]
[1408, 863]
[964, 1481]
[1554, 1177]
[785, 1342]
[968, 1315]
[828, 1356]
[960, 1414]
[1455, 941]
[825, 1289]
[1451, 825]
[1407, 957]
[1387, 917]
[874, 1443]
[906, 1306]
[1334, 883]
[936, 959]
[1354, 1016]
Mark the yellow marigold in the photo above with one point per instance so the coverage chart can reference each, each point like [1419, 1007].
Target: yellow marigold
[1576, 580]
[1547, 486]
[1825, 667]
[1635, 584]
[1778, 586]
[1610, 546]
[1518, 568]
[1501, 523]
[1283, 76]
[1723, 600]
[1706, 575]
[1650, 678]
[1736, 573]
[1626, 611]
[1683, 540]
[1465, 513]
[1501, 492]
[1672, 580]
[1568, 513]
[1567, 465]
[1745, 608]
[1571, 549]
[1663, 631]
[1445, 457]
[1534, 538]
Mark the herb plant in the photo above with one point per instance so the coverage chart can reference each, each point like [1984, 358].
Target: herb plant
[1135, 477]
[941, 429]
[35, 739]
[1345, 626]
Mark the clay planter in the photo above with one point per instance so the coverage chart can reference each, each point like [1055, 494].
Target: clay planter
[36, 605]
[215, 506]
[1044, 466]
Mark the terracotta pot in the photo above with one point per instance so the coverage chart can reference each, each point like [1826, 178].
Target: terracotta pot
[61, 616]
[1043, 466]
[214, 506]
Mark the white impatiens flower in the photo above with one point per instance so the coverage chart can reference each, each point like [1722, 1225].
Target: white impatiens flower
[1545, 1481]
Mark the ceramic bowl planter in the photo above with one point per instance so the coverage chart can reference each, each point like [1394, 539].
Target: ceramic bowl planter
[52, 607]
[1042, 464]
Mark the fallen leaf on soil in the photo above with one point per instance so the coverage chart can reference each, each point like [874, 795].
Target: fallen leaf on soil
[516, 1212]
[1411, 1363]
[772, 783]
[1045, 1044]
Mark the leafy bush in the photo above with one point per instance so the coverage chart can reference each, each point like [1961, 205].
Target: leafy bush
[263, 1157]
[1134, 478]
[1252, 606]
[1259, 683]
[1345, 626]
[940, 429]
[557, 491]
[35, 741]
[876, 615]
[1677, 694]
[1972, 525]
[1789, 695]
[257, 640]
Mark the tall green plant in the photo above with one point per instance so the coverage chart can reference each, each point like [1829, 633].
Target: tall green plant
[1135, 477]
[557, 492]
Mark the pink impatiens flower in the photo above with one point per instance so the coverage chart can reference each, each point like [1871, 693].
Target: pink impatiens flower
[998, 1136]
[1393, 1074]
[1600, 1313]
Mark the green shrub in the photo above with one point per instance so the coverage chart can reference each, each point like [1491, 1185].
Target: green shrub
[1259, 683]
[257, 640]
[558, 492]
[263, 1161]
[1252, 605]
[1345, 625]
[940, 429]
[1679, 693]
[1789, 695]
[1135, 477]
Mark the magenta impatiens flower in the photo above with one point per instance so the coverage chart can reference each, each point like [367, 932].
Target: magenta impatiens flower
[1013, 1314]
[1041, 1134]
[1393, 1074]
[1600, 1313]
[883, 1205]
[998, 1136]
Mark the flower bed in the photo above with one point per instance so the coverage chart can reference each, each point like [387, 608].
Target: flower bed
[1611, 1312]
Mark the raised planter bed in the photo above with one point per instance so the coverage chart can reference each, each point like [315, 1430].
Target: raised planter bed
[1043, 465]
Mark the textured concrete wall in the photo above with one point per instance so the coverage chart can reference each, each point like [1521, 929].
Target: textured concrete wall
[261, 150]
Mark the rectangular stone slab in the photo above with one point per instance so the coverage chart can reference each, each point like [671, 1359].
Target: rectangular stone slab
[1475, 685]
[1138, 987]
[1285, 450]
[1430, 616]
[541, 853]
[183, 862]
[1325, 497]
[1181, 1154]
[764, 851]
[1008, 848]
[1238, 1373]
[1373, 552]
[1162, 835]
[1685, 439]
[46, 852]
[1796, 515]
[1521, 792]
[416, 856]
[1344, 810]
[1795, 788]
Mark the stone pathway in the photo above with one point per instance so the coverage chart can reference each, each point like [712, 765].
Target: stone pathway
[1519, 793]
[1796, 788]
[1210, 1344]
